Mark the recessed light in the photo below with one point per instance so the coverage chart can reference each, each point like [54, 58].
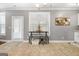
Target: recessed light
[37, 5]
[45, 3]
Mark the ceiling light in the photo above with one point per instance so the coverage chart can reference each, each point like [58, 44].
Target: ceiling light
[37, 5]
[45, 3]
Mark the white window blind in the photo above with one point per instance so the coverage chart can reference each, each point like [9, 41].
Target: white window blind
[2, 23]
[42, 18]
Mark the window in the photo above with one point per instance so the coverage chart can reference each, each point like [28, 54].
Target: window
[2, 23]
[39, 18]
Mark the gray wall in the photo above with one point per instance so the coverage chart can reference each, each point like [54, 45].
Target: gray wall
[56, 32]
[9, 15]
[63, 32]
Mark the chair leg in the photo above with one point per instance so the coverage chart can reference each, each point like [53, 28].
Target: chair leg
[30, 40]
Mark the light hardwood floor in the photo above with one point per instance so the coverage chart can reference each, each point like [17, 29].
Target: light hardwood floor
[52, 49]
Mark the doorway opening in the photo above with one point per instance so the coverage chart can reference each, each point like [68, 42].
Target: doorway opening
[17, 28]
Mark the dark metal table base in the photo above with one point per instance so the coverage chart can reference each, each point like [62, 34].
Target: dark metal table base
[43, 39]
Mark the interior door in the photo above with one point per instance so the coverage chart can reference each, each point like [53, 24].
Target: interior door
[17, 27]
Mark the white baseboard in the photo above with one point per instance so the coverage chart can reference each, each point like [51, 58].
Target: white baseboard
[14, 40]
[51, 41]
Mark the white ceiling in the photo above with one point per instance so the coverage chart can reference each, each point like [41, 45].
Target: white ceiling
[32, 6]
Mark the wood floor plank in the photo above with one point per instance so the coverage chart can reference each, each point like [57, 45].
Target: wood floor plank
[51, 49]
